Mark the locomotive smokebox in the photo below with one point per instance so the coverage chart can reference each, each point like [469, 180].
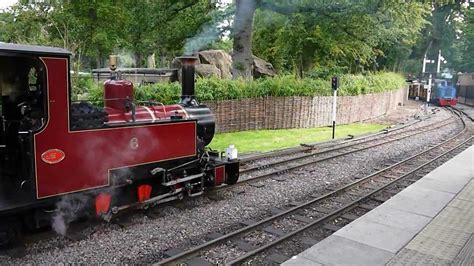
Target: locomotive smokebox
[188, 97]
[205, 119]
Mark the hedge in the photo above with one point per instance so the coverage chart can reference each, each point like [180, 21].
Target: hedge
[218, 89]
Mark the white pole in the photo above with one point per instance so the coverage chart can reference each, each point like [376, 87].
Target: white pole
[438, 68]
[334, 104]
[424, 64]
[428, 92]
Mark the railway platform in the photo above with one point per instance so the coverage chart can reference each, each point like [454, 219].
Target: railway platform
[430, 222]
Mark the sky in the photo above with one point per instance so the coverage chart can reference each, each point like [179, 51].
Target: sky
[6, 3]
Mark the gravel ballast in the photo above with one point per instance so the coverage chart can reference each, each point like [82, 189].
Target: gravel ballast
[145, 240]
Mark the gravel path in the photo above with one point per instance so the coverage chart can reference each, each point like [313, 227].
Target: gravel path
[185, 224]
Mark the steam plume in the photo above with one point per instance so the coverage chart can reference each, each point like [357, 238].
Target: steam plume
[210, 31]
[68, 209]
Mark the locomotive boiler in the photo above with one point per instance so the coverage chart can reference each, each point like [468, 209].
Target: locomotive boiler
[100, 158]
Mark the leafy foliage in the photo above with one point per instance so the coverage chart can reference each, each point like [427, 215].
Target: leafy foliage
[94, 29]
[285, 85]
[310, 38]
[350, 36]
[465, 44]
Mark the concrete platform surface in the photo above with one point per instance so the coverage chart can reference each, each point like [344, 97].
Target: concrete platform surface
[430, 222]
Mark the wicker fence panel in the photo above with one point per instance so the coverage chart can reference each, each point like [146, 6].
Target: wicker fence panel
[301, 112]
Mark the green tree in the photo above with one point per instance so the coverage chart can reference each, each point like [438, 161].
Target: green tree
[443, 32]
[349, 35]
[465, 44]
[162, 27]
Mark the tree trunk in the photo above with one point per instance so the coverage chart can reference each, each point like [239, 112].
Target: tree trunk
[151, 61]
[243, 27]
[138, 60]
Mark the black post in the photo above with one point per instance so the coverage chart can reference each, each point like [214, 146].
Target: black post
[187, 80]
[333, 129]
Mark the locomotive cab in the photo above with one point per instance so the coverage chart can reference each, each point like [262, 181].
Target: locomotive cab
[22, 113]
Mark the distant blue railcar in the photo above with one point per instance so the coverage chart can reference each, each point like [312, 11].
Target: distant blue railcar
[444, 94]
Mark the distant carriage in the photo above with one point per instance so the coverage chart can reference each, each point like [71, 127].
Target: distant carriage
[465, 87]
[418, 91]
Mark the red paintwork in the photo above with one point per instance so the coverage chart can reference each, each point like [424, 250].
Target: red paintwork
[144, 192]
[219, 175]
[448, 102]
[116, 92]
[145, 114]
[89, 155]
[102, 203]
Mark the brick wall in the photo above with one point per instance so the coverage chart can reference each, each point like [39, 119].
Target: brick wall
[301, 111]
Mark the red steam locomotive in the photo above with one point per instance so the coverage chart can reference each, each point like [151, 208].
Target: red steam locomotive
[100, 160]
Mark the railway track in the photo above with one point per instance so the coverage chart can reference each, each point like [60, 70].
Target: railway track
[307, 147]
[324, 212]
[279, 167]
[339, 150]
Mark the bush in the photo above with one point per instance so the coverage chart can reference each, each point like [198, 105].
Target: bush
[218, 89]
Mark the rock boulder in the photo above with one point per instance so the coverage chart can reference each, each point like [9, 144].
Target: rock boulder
[207, 71]
[218, 63]
[220, 59]
[262, 68]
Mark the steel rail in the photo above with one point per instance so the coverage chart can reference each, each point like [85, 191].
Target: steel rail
[463, 112]
[339, 211]
[205, 246]
[276, 172]
[333, 149]
[309, 146]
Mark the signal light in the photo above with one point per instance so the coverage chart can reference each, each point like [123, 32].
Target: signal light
[102, 203]
[144, 192]
[335, 83]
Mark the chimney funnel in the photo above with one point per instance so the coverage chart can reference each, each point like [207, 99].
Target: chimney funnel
[187, 80]
[113, 62]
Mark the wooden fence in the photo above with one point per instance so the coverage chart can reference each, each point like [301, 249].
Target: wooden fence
[301, 111]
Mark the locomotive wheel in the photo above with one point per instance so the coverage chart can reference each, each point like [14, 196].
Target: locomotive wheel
[10, 232]
[232, 180]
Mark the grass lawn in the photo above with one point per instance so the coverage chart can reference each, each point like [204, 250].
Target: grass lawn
[267, 140]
